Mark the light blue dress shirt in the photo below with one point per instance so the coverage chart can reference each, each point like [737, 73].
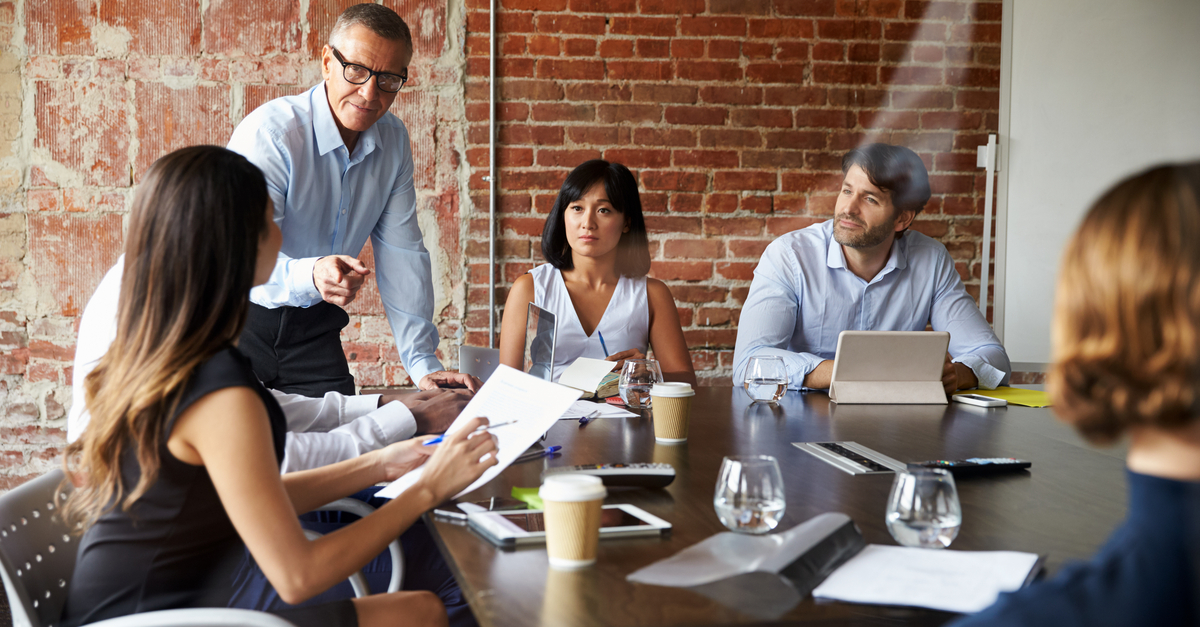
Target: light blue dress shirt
[803, 296]
[328, 202]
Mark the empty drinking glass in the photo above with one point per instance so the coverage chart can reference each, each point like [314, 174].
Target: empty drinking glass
[766, 379]
[923, 509]
[637, 377]
[749, 496]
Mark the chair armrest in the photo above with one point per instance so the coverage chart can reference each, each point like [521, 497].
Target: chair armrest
[197, 617]
[362, 510]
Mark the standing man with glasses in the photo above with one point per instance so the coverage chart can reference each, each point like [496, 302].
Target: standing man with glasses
[339, 169]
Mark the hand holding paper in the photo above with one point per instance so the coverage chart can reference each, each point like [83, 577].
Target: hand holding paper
[459, 460]
[509, 395]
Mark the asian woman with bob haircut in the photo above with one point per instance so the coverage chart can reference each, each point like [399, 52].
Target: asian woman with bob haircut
[594, 281]
[1126, 362]
[177, 472]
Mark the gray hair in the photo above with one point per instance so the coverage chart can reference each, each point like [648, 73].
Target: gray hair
[379, 19]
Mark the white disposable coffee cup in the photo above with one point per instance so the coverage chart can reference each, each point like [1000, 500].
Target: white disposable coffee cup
[671, 416]
[572, 513]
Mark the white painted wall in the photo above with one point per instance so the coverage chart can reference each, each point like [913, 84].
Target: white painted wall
[1096, 90]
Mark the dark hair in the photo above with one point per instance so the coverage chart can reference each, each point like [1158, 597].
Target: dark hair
[633, 251]
[1126, 332]
[190, 255]
[376, 18]
[893, 169]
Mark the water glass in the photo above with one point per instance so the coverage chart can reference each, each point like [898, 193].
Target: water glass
[766, 379]
[749, 496]
[637, 377]
[923, 509]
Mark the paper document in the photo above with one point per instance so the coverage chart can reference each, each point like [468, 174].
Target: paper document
[586, 373]
[579, 409]
[509, 394]
[954, 581]
[1015, 396]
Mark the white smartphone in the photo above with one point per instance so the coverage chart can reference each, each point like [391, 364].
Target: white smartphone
[979, 401]
[519, 528]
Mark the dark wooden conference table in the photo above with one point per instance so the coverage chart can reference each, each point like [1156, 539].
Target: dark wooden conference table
[1064, 508]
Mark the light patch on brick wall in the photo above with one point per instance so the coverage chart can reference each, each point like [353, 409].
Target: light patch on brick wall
[427, 22]
[84, 127]
[111, 41]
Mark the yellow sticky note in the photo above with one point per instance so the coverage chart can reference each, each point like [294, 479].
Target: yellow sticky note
[1015, 396]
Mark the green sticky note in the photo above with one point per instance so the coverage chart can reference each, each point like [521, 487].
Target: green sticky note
[529, 496]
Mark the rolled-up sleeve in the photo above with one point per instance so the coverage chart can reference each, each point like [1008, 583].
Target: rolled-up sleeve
[973, 343]
[769, 319]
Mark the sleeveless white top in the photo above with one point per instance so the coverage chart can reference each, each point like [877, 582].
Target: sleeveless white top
[625, 324]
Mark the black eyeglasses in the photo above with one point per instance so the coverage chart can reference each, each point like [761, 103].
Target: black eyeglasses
[357, 75]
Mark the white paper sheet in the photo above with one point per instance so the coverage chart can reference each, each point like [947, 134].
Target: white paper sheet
[509, 394]
[579, 409]
[586, 373]
[954, 581]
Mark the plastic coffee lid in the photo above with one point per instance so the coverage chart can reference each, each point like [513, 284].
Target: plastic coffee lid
[567, 488]
[672, 389]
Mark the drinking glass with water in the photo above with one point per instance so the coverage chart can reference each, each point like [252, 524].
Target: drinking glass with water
[637, 377]
[766, 379]
[923, 509]
[749, 496]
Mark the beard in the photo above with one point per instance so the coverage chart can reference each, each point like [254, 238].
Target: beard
[866, 238]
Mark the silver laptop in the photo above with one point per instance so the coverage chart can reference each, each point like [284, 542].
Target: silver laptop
[889, 367]
[541, 335]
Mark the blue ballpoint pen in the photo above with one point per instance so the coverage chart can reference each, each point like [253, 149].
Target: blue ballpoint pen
[601, 336]
[588, 418]
[487, 428]
[538, 454]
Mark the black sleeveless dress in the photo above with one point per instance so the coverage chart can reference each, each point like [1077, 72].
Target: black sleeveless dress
[176, 547]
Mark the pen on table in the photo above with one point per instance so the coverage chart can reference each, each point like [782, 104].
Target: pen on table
[601, 336]
[537, 454]
[588, 418]
[481, 430]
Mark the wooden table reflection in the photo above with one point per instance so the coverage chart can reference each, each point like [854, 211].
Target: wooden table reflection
[1064, 508]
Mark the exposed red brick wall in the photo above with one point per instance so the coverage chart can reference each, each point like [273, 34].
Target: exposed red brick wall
[93, 91]
[734, 114]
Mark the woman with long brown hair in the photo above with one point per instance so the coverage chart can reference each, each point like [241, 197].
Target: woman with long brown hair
[1126, 341]
[177, 472]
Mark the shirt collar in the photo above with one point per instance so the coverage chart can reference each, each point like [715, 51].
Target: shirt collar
[329, 138]
[897, 259]
[325, 129]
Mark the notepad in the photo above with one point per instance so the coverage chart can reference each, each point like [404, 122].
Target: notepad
[587, 375]
[953, 581]
[1015, 396]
